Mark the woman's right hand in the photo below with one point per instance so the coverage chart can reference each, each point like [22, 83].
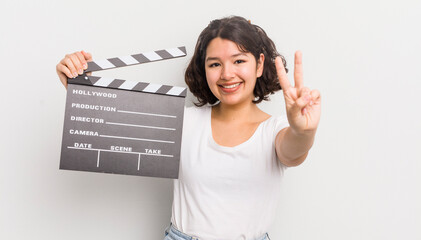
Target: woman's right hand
[72, 65]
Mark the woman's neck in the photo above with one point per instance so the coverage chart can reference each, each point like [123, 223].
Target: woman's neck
[236, 113]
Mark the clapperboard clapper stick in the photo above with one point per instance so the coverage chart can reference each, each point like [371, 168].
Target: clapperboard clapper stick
[123, 127]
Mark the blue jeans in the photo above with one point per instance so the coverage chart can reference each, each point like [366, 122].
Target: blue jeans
[171, 233]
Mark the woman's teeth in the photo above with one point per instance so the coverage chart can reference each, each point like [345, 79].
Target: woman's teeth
[231, 86]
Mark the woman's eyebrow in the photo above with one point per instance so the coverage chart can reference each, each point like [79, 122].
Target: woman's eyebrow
[239, 54]
[232, 56]
[211, 59]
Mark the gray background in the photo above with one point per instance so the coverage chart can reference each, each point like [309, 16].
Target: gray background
[361, 180]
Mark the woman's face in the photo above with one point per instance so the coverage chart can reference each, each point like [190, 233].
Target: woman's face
[231, 74]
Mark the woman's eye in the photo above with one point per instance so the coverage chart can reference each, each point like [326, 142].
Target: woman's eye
[239, 61]
[214, 65]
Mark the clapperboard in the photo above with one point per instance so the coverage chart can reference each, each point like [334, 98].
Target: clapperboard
[123, 127]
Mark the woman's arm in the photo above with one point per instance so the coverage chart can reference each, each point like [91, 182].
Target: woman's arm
[292, 148]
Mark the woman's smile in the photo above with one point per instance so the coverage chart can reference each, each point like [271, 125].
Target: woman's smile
[230, 88]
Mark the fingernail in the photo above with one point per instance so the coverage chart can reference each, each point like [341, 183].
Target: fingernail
[80, 71]
[74, 74]
[85, 66]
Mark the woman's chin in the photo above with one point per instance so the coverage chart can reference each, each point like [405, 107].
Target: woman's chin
[233, 101]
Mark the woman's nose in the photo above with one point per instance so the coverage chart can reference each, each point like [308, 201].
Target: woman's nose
[227, 73]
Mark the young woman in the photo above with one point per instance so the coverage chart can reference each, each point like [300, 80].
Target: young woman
[233, 154]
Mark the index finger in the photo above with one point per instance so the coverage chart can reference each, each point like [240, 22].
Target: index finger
[87, 56]
[82, 60]
[282, 74]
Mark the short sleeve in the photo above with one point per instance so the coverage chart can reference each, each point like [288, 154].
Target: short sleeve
[280, 123]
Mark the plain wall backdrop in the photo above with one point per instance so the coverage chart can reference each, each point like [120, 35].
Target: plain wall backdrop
[360, 181]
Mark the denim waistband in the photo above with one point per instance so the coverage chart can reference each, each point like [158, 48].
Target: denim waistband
[178, 235]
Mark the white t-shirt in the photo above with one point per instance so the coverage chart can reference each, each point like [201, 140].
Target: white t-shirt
[226, 192]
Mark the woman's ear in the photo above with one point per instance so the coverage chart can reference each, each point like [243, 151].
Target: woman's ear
[260, 65]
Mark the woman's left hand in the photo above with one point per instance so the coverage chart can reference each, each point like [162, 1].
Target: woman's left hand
[303, 106]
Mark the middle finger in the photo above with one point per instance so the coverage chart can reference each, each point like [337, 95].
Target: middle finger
[298, 69]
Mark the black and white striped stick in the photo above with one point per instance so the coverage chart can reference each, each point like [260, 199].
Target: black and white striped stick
[136, 59]
[129, 60]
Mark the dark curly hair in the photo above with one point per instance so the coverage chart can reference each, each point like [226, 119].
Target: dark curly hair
[249, 38]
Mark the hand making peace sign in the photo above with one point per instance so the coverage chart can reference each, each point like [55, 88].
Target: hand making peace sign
[303, 106]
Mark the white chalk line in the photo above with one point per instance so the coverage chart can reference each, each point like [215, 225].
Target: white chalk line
[106, 150]
[137, 139]
[97, 160]
[149, 114]
[140, 126]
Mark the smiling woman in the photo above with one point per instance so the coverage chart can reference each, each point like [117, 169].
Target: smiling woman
[234, 154]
